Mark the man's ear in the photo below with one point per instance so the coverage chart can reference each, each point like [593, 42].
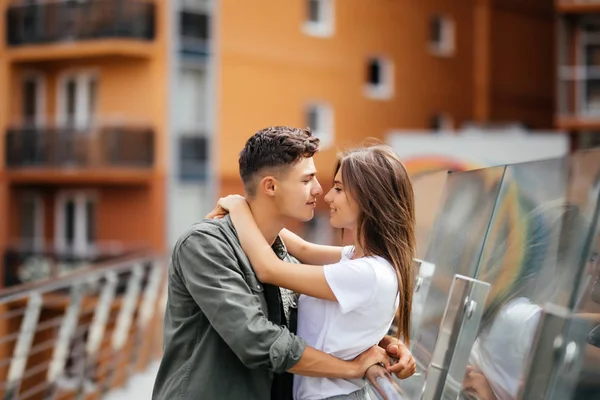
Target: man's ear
[268, 185]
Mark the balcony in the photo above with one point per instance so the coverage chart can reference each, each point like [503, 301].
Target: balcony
[110, 26]
[32, 151]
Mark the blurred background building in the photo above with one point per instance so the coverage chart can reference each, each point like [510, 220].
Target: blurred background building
[121, 120]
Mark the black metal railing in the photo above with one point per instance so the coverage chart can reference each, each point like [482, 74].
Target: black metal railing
[80, 148]
[69, 20]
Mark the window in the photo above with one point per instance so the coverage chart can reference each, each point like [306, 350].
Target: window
[75, 222]
[379, 78]
[441, 35]
[319, 117]
[194, 31]
[33, 99]
[77, 99]
[32, 220]
[319, 20]
[440, 122]
[193, 158]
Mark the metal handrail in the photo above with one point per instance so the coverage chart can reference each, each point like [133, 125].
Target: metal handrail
[42, 287]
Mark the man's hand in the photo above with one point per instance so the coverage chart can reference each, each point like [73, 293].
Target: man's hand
[406, 366]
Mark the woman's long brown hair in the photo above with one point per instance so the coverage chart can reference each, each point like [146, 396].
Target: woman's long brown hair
[376, 179]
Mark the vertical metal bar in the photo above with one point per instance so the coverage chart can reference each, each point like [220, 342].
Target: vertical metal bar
[66, 331]
[23, 346]
[147, 309]
[458, 331]
[123, 325]
[97, 329]
[425, 273]
[557, 349]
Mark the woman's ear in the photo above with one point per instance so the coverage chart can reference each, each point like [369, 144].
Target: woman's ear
[268, 185]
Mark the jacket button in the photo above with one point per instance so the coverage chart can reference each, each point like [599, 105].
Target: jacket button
[258, 286]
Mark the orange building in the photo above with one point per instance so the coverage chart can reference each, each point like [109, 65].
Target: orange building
[83, 116]
[578, 88]
[354, 69]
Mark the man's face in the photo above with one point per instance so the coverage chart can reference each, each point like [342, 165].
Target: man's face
[297, 191]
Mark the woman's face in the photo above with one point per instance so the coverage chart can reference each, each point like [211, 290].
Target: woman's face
[343, 210]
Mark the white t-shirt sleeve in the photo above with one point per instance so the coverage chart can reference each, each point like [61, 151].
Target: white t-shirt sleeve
[353, 282]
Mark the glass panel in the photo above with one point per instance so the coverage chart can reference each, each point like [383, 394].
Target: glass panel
[454, 248]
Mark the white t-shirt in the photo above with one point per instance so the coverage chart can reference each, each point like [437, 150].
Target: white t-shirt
[367, 294]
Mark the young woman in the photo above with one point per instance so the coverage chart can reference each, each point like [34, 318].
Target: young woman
[350, 295]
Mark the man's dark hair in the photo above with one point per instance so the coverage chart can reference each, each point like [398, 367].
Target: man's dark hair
[273, 148]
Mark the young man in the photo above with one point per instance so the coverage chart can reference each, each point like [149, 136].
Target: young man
[226, 335]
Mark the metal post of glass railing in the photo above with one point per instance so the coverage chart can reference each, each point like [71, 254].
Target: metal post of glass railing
[424, 272]
[458, 331]
[23, 346]
[556, 355]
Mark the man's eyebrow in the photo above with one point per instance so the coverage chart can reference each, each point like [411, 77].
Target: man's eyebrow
[310, 174]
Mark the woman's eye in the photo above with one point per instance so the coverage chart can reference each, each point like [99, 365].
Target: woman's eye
[337, 190]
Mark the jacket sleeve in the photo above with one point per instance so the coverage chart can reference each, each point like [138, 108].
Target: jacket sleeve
[210, 272]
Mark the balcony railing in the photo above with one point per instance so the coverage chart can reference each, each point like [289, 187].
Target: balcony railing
[125, 147]
[25, 263]
[81, 335]
[70, 20]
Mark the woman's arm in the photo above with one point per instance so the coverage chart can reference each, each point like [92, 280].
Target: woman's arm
[304, 279]
[310, 253]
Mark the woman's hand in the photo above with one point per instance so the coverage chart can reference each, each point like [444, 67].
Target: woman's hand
[232, 201]
[367, 359]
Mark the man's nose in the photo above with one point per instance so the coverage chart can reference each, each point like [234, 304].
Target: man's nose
[317, 189]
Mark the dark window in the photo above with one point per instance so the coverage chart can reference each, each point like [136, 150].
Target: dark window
[312, 118]
[193, 157]
[93, 92]
[194, 25]
[70, 222]
[314, 11]
[29, 100]
[435, 123]
[436, 30]
[90, 214]
[71, 100]
[28, 215]
[374, 72]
